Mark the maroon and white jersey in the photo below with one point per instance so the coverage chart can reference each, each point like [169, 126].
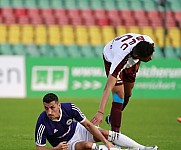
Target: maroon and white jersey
[118, 51]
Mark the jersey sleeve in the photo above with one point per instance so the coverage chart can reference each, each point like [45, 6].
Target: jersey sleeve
[77, 114]
[40, 133]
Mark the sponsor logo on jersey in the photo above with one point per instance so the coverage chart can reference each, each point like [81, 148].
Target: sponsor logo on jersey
[55, 130]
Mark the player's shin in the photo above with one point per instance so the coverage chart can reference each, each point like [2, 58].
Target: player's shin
[116, 116]
[123, 141]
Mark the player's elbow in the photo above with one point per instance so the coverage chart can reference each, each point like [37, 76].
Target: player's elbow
[87, 124]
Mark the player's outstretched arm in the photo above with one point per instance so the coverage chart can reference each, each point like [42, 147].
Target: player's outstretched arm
[111, 81]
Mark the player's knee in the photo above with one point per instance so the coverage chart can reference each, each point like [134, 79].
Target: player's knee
[88, 145]
[84, 145]
[117, 98]
[128, 93]
[127, 97]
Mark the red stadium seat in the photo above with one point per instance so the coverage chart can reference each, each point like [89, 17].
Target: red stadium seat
[59, 12]
[141, 17]
[36, 20]
[33, 12]
[10, 20]
[34, 15]
[114, 17]
[74, 16]
[47, 16]
[99, 13]
[21, 15]
[86, 13]
[20, 12]
[101, 17]
[23, 20]
[7, 12]
[102, 21]
[63, 20]
[1, 20]
[87, 17]
[155, 18]
[128, 17]
[49, 20]
[46, 12]
[76, 21]
[170, 20]
[177, 16]
[89, 21]
[73, 13]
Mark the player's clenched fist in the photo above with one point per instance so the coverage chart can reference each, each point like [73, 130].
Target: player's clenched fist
[62, 146]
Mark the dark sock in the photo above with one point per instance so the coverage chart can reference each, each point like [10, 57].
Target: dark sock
[116, 115]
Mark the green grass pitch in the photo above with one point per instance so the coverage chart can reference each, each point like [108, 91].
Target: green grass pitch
[150, 122]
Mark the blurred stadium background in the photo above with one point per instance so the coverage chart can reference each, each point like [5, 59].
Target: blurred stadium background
[43, 31]
[80, 28]
[53, 45]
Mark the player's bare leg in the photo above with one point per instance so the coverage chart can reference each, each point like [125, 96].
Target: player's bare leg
[129, 76]
[128, 92]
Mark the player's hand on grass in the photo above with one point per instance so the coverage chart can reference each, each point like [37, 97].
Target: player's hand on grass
[62, 146]
[97, 119]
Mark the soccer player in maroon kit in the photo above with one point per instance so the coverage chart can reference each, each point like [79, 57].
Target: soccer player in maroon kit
[122, 57]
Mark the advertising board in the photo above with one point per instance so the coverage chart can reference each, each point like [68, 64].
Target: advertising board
[12, 77]
[85, 78]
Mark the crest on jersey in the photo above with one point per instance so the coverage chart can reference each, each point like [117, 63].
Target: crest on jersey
[69, 121]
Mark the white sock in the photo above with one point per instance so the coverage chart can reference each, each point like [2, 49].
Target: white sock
[122, 140]
[102, 147]
[94, 146]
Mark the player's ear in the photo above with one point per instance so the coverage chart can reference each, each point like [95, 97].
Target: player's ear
[135, 55]
[134, 52]
[59, 105]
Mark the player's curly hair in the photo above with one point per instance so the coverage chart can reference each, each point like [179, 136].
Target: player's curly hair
[50, 97]
[144, 49]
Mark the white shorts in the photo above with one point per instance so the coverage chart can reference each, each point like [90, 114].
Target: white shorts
[81, 134]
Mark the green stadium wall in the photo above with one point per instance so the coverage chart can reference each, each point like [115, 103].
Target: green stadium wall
[85, 78]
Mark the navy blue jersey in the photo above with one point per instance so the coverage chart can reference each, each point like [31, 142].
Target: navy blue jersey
[58, 130]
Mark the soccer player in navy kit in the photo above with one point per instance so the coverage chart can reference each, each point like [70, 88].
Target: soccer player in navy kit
[66, 128]
[122, 57]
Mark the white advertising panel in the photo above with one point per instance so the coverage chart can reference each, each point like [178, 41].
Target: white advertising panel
[12, 77]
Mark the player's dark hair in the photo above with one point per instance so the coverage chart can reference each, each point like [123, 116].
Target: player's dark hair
[50, 97]
[144, 49]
